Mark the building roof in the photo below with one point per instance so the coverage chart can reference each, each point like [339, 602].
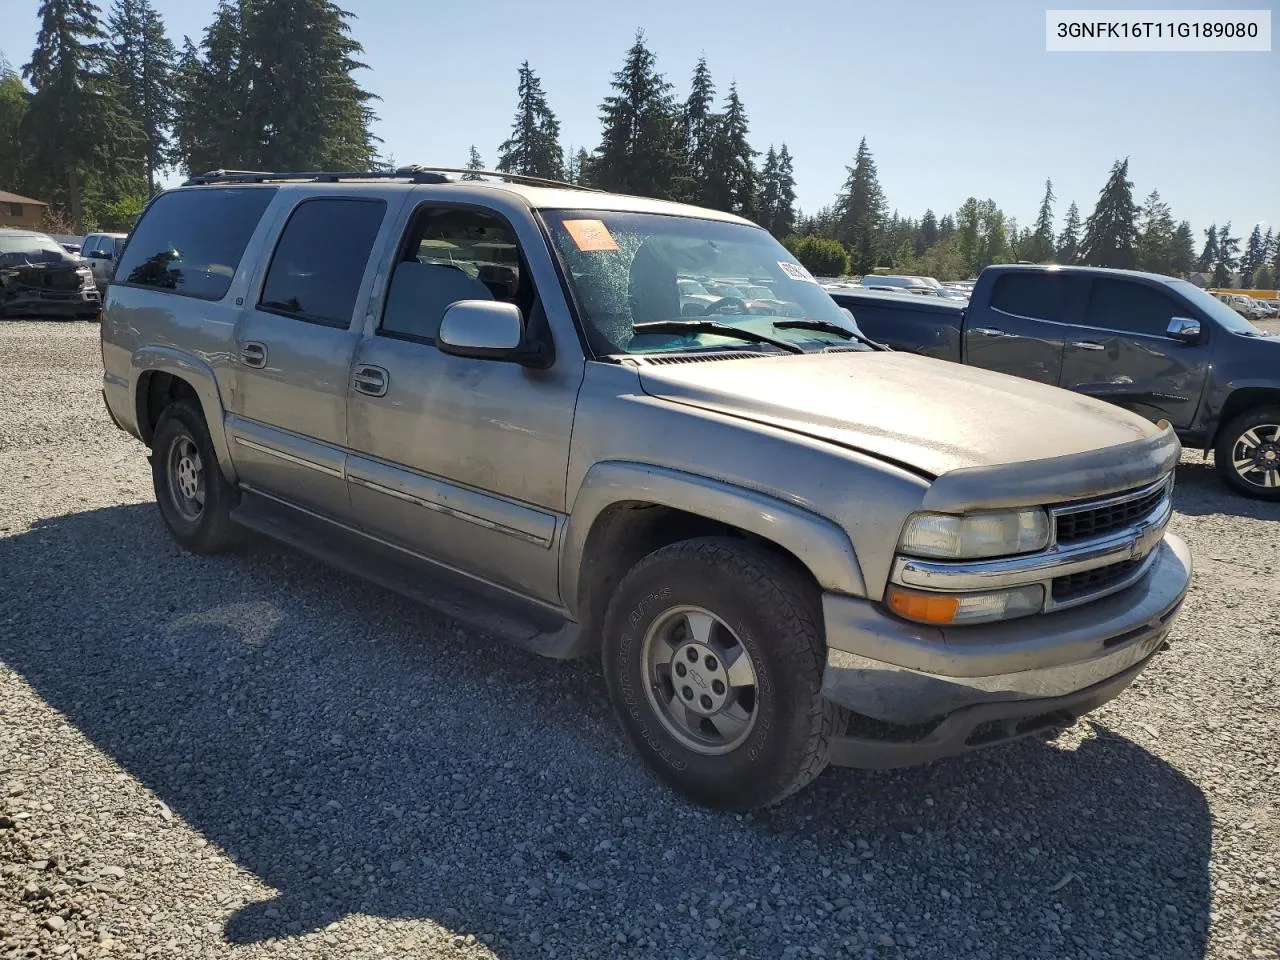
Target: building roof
[7, 197]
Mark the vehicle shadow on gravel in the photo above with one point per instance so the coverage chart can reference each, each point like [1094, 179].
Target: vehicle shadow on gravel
[360, 755]
[1198, 491]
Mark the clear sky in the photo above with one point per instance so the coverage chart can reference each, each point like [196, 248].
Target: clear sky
[955, 98]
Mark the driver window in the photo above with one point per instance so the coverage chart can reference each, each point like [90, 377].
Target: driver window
[452, 254]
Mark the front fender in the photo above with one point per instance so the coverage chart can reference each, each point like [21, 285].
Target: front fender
[821, 545]
[193, 370]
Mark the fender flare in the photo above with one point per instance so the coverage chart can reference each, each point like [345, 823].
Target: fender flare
[820, 544]
[193, 370]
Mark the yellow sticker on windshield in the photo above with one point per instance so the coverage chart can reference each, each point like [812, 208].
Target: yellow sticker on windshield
[591, 236]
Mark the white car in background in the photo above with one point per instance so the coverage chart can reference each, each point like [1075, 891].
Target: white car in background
[101, 251]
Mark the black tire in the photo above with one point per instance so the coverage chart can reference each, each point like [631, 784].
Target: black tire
[1252, 483]
[775, 616]
[208, 529]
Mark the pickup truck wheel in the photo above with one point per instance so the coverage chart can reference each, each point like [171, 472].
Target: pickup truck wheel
[1247, 453]
[195, 499]
[713, 655]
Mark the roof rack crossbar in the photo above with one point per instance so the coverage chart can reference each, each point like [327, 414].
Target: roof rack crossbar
[312, 176]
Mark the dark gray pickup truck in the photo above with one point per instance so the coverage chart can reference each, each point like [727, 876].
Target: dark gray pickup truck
[1160, 347]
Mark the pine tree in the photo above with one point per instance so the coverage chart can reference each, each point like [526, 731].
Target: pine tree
[1184, 250]
[639, 151]
[306, 107]
[142, 62]
[1224, 264]
[731, 179]
[78, 139]
[533, 149]
[581, 168]
[1155, 245]
[928, 230]
[860, 211]
[473, 163]
[213, 83]
[782, 221]
[1040, 247]
[946, 227]
[1069, 240]
[698, 124]
[1254, 257]
[1209, 255]
[767, 201]
[14, 100]
[1110, 230]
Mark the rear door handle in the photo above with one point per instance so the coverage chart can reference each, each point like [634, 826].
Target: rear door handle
[990, 332]
[370, 380]
[1087, 345]
[254, 354]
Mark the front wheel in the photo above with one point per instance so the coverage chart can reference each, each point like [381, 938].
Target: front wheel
[713, 654]
[1247, 454]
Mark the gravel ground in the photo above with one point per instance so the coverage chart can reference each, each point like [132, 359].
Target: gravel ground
[254, 756]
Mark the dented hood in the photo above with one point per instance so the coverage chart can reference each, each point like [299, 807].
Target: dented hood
[930, 416]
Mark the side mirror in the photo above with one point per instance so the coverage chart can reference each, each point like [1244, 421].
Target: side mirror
[488, 330]
[1184, 330]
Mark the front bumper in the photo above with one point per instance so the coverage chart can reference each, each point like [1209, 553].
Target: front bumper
[913, 684]
[70, 303]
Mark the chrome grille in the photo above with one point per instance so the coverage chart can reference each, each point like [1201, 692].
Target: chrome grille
[1078, 585]
[1091, 520]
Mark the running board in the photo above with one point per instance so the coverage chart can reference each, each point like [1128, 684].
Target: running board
[525, 624]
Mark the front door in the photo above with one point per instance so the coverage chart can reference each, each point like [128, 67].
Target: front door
[1022, 332]
[461, 460]
[287, 421]
[1123, 354]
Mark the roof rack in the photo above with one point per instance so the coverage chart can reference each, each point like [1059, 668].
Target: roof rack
[414, 173]
[499, 175]
[313, 176]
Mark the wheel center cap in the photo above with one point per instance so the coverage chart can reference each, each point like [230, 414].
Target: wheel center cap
[700, 679]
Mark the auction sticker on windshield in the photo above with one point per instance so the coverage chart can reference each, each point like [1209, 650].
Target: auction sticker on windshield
[591, 236]
[796, 272]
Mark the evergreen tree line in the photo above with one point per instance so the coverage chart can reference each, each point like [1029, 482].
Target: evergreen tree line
[110, 103]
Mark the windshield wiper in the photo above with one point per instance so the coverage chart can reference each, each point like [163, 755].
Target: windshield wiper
[711, 326]
[826, 326]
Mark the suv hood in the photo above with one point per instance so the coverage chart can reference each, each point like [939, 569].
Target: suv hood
[929, 415]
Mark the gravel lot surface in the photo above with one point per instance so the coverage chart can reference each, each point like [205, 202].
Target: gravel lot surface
[254, 756]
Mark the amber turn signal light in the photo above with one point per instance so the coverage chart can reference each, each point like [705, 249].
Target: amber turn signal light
[924, 607]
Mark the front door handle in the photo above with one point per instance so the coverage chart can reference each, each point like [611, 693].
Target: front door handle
[254, 354]
[1087, 345]
[370, 380]
[990, 332]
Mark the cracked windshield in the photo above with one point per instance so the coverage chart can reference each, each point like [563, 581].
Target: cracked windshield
[627, 270]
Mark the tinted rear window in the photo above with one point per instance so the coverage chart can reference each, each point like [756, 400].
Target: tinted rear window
[1042, 296]
[191, 241]
[319, 262]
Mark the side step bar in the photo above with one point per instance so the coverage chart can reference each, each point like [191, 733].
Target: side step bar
[525, 624]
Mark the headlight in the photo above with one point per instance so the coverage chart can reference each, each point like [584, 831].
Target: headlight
[975, 535]
[947, 608]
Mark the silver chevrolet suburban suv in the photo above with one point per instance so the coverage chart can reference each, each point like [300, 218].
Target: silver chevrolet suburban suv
[520, 403]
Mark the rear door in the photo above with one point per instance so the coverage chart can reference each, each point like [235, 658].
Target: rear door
[1122, 352]
[1021, 332]
[294, 342]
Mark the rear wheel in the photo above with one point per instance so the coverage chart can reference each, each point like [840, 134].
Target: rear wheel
[713, 655]
[1247, 454]
[195, 499]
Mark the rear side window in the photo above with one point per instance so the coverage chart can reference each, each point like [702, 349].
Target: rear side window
[1041, 296]
[1131, 307]
[319, 262]
[191, 241]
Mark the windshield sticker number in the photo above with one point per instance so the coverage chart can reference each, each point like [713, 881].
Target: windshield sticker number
[796, 272]
[591, 236]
